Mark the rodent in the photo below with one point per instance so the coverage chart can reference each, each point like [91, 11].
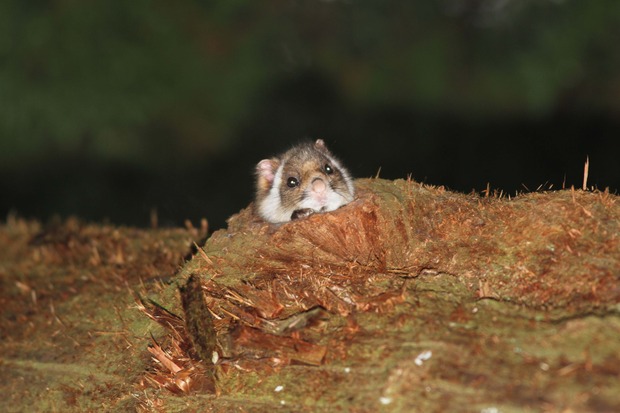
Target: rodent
[302, 181]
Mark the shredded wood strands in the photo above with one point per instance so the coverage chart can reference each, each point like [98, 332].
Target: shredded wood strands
[177, 373]
[176, 368]
[586, 171]
[261, 297]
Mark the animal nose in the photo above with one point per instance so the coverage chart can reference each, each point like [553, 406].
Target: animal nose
[318, 185]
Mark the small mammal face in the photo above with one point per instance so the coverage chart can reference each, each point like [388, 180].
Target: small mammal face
[304, 180]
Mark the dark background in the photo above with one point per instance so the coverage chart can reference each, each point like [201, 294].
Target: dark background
[110, 109]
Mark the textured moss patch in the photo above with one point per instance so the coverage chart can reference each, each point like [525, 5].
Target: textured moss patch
[420, 299]
[411, 298]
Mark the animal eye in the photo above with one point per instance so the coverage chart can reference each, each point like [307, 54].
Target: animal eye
[328, 169]
[292, 182]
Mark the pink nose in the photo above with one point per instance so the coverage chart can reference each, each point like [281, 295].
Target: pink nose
[318, 186]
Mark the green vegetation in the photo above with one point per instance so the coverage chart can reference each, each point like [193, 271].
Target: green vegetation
[121, 80]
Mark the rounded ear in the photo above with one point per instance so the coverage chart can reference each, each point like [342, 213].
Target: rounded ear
[320, 144]
[266, 170]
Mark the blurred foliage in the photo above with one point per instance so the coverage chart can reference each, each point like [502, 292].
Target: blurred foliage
[110, 108]
[100, 76]
[155, 81]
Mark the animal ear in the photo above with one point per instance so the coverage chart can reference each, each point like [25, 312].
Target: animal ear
[266, 172]
[320, 144]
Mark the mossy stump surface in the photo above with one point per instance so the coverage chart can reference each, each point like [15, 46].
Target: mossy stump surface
[414, 298]
[411, 298]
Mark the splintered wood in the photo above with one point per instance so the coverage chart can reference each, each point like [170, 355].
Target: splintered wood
[267, 291]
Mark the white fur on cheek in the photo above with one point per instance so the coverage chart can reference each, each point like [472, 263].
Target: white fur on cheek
[334, 201]
[270, 207]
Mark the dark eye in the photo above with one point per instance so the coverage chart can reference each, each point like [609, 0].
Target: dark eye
[328, 169]
[292, 182]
